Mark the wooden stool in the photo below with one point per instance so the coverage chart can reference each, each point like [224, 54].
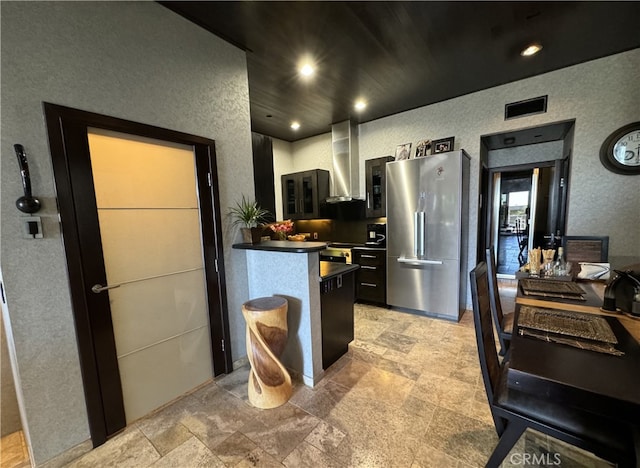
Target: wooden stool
[269, 381]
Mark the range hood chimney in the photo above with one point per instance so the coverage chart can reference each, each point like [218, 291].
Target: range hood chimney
[346, 178]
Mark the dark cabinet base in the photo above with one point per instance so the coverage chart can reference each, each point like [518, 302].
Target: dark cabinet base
[371, 278]
[336, 300]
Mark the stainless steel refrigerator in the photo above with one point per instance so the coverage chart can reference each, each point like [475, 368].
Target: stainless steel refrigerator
[427, 234]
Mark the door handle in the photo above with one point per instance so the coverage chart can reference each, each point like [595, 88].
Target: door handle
[419, 232]
[417, 261]
[366, 267]
[98, 288]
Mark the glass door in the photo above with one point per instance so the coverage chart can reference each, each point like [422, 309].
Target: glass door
[513, 202]
[290, 195]
[375, 179]
[308, 188]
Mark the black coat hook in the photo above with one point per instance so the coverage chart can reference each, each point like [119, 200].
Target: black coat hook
[26, 204]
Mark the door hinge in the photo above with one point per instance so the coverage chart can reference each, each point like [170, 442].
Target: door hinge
[215, 261]
[561, 181]
[222, 342]
[209, 179]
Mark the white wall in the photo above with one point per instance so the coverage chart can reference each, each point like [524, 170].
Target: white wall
[601, 95]
[132, 60]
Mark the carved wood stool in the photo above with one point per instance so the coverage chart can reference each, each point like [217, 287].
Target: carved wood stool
[269, 381]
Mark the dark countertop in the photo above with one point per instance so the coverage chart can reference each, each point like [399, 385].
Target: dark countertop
[330, 269]
[284, 246]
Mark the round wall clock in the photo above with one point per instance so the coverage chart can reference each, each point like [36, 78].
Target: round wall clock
[620, 152]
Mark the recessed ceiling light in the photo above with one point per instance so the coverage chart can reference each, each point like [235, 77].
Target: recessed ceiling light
[531, 50]
[307, 70]
[295, 125]
[360, 105]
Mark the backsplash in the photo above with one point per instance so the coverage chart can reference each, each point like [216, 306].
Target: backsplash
[336, 230]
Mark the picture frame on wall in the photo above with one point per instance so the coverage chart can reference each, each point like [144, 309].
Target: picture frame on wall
[403, 152]
[442, 146]
[422, 148]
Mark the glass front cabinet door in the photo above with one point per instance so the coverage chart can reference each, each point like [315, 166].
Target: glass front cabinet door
[304, 194]
[289, 197]
[375, 186]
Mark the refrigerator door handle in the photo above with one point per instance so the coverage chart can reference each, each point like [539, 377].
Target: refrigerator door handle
[419, 230]
[417, 261]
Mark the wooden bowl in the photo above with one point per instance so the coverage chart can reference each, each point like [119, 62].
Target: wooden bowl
[297, 238]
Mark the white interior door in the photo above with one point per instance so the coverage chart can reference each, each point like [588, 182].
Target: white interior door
[151, 239]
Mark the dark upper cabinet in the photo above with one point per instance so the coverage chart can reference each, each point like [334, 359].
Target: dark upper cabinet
[375, 170]
[263, 173]
[304, 194]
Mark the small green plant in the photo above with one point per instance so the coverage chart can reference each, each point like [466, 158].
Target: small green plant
[248, 213]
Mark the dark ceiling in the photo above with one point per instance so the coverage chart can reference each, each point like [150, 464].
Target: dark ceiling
[400, 55]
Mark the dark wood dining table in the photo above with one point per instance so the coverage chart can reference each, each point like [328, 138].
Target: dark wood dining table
[601, 383]
[592, 304]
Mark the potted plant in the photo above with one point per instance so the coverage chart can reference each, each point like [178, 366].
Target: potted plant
[248, 214]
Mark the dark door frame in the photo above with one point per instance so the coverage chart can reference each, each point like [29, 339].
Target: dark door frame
[514, 168]
[69, 146]
[555, 131]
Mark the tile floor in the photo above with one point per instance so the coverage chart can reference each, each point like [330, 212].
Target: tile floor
[408, 394]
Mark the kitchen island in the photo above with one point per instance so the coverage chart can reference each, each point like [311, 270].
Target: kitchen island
[293, 270]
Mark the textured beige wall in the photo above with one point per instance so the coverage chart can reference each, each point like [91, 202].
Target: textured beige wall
[601, 95]
[132, 60]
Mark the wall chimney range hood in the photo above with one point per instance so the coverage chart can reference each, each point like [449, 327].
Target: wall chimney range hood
[346, 178]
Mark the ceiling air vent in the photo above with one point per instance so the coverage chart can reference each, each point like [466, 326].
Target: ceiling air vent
[528, 107]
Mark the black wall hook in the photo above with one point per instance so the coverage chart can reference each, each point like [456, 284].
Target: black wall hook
[27, 203]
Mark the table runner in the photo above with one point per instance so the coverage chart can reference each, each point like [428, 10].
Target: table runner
[598, 346]
[531, 285]
[574, 324]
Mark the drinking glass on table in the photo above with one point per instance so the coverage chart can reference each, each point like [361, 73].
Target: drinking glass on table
[547, 264]
[534, 262]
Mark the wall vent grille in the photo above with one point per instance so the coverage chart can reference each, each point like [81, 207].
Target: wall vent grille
[536, 105]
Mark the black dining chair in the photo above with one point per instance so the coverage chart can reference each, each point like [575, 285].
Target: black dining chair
[522, 235]
[502, 322]
[515, 411]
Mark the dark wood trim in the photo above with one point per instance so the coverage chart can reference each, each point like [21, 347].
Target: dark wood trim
[263, 175]
[563, 169]
[485, 202]
[70, 236]
[67, 129]
[213, 253]
[93, 270]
